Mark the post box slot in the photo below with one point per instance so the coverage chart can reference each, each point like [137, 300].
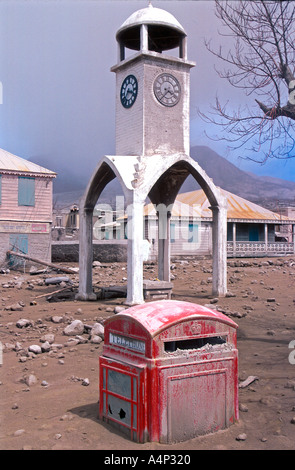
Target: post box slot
[194, 343]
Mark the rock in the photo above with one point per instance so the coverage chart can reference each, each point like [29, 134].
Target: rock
[95, 339]
[44, 383]
[293, 420]
[243, 408]
[97, 330]
[23, 323]
[19, 432]
[241, 437]
[35, 348]
[57, 319]
[30, 380]
[19, 306]
[85, 382]
[46, 347]
[75, 328]
[119, 308]
[49, 338]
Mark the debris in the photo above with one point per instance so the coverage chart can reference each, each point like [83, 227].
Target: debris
[57, 280]
[51, 265]
[75, 328]
[35, 348]
[241, 437]
[248, 381]
[23, 323]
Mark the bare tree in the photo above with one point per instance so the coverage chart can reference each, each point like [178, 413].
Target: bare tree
[262, 64]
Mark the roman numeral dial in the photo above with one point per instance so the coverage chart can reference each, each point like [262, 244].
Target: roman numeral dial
[167, 89]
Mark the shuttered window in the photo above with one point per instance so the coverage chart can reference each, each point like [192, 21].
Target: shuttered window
[26, 191]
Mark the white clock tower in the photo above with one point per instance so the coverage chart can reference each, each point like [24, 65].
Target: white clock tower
[152, 87]
[152, 149]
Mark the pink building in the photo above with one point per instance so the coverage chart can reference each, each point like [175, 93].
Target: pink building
[25, 208]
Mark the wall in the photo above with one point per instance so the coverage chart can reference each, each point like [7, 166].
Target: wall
[105, 251]
[9, 208]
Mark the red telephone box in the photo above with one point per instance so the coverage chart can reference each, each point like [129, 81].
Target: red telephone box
[169, 371]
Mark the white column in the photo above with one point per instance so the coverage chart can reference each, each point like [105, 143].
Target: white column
[144, 45]
[85, 256]
[135, 254]
[219, 237]
[266, 237]
[234, 238]
[164, 244]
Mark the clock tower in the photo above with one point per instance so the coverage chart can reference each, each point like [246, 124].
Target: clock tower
[152, 86]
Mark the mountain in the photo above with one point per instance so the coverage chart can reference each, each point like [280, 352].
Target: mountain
[263, 190]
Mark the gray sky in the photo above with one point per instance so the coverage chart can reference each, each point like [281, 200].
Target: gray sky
[58, 104]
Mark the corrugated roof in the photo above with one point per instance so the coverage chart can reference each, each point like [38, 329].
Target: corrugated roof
[196, 204]
[10, 162]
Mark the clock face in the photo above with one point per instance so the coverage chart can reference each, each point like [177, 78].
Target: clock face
[128, 92]
[167, 89]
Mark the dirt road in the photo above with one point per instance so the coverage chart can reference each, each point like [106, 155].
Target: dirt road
[50, 400]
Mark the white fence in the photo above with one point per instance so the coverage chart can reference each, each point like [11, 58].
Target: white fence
[254, 249]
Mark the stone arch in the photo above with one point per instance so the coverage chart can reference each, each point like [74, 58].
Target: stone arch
[104, 173]
[163, 189]
[160, 178]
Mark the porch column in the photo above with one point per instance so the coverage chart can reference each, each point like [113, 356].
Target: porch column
[164, 244]
[266, 237]
[219, 237]
[234, 238]
[135, 253]
[85, 256]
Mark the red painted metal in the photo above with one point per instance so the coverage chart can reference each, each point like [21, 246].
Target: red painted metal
[168, 371]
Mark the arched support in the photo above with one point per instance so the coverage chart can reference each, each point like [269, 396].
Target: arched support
[160, 178]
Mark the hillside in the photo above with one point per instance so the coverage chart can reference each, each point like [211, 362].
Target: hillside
[263, 190]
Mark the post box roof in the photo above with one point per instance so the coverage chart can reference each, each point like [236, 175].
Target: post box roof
[159, 315]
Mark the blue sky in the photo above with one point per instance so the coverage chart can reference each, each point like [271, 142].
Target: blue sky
[58, 92]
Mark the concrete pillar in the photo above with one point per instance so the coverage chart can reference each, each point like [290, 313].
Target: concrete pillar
[85, 256]
[164, 244]
[144, 38]
[219, 238]
[266, 237]
[234, 238]
[135, 254]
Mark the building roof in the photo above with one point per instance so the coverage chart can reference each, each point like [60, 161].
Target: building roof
[154, 16]
[196, 204]
[10, 163]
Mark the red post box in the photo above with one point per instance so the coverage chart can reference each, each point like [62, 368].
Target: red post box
[169, 371]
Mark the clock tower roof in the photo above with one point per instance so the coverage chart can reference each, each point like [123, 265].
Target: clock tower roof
[165, 32]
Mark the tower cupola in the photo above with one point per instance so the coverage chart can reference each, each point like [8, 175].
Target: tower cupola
[151, 29]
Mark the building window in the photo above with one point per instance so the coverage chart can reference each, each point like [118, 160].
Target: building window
[193, 233]
[26, 191]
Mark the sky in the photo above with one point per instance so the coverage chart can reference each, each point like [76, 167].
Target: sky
[57, 93]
